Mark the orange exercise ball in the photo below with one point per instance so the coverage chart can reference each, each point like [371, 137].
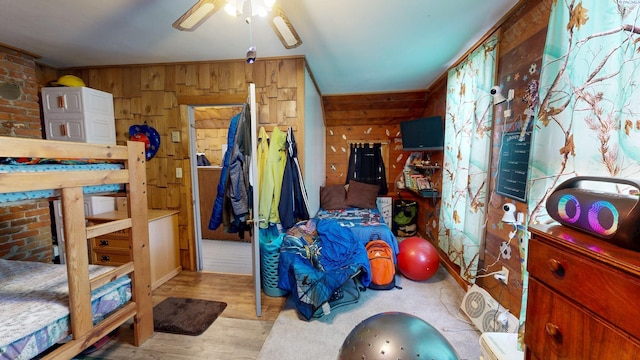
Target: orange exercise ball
[417, 259]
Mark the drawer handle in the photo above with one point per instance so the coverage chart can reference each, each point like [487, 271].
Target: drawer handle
[61, 101]
[104, 242]
[554, 332]
[556, 267]
[105, 257]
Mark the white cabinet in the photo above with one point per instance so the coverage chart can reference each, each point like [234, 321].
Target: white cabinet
[79, 114]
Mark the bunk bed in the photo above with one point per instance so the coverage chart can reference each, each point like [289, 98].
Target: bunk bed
[84, 283]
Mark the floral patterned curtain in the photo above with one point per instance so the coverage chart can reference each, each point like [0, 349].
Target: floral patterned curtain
[588, 122]
[468, 124]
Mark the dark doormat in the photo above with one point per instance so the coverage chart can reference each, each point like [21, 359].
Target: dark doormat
[186, 316]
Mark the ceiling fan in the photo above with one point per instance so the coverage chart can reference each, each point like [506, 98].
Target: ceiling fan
[204, 9]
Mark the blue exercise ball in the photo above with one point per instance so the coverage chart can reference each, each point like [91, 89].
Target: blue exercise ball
[396, 335]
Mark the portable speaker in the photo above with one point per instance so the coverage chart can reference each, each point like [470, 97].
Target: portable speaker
[610, 216]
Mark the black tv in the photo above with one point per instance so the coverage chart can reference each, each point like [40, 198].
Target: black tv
[422, 134]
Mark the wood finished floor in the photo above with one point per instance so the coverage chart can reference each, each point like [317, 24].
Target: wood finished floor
[237, 334]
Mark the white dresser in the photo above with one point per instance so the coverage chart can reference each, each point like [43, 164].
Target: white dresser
[79, 114]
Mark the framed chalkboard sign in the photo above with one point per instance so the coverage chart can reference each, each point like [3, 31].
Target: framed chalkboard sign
[513, 165]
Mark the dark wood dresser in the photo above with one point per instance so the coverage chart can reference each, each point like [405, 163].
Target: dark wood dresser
[583, 297]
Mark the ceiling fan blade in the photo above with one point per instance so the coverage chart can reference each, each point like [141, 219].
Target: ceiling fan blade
[197, 14]
[284, 29]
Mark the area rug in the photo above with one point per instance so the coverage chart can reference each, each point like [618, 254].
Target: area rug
[436, 301]
[186, 316]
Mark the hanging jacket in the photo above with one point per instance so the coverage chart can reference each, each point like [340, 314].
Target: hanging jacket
[294, 204]
[272, 179]
[233, 196]
[216, 214]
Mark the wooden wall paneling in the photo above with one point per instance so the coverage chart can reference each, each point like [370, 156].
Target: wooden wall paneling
[271, 73]
[204, 78]
[136, 104]
[172, 149]
[224, 77]
[529, 19]
[111, 80]
[286, 111]
[152, 77]
[164, 174]
[191, 75]
[437, 95]
[287, 74]
[214, 75]
[259, 74]
[300, 94]
[239, 82]
[131, 87]
[121, 107]
[153, 102]
[173, 195]
[152, 174]
[95, 78]
[170, 104]
[157, 197]
[170, 79]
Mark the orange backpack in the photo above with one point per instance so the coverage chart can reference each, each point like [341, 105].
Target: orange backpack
[383, 267]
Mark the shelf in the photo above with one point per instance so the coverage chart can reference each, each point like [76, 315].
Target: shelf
[424, 193]
[426, 167]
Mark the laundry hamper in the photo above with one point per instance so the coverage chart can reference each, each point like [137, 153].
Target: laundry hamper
[269, 256]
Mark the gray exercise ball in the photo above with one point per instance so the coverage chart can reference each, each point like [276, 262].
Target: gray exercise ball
[396, 335]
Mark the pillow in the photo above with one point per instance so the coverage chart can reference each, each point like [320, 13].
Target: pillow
[332, 197]
[362, 195]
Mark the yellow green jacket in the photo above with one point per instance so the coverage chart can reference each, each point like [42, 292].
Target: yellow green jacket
[271, 183]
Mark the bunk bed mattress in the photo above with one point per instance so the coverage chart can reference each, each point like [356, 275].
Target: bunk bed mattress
[34, 302]
[43, 194]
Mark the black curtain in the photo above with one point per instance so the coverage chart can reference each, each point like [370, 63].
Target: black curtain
[366, 165]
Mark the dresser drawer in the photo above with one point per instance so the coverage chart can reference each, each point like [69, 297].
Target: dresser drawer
[588, 282]
[102, 257]
[105, 242]
[557, 329]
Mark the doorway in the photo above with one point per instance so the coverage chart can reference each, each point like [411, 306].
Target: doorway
[220, 251]
[188, 104]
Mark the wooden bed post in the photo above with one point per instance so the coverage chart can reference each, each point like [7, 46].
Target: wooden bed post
[77, 261]
[137, 207]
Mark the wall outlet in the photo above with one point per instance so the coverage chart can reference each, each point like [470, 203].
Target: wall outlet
[178, 173]
[505, 274]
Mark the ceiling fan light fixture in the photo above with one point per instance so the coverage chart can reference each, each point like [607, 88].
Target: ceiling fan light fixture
[285, 30]
[197, 14]
[244, 7]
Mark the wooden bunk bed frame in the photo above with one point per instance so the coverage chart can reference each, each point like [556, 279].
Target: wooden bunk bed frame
[76, 233]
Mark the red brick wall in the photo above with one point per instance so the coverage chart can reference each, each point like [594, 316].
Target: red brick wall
[25, 227]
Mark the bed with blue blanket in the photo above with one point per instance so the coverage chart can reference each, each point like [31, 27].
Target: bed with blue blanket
[321, 256]
[54, 167]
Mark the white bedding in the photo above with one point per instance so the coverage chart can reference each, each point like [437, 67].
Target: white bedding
[34, 305]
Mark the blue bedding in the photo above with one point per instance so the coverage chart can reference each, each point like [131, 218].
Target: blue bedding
[365, 224]
[13, 166]
[313, 272]
[330, 250]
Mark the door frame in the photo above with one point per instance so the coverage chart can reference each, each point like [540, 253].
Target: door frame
[222, 100]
